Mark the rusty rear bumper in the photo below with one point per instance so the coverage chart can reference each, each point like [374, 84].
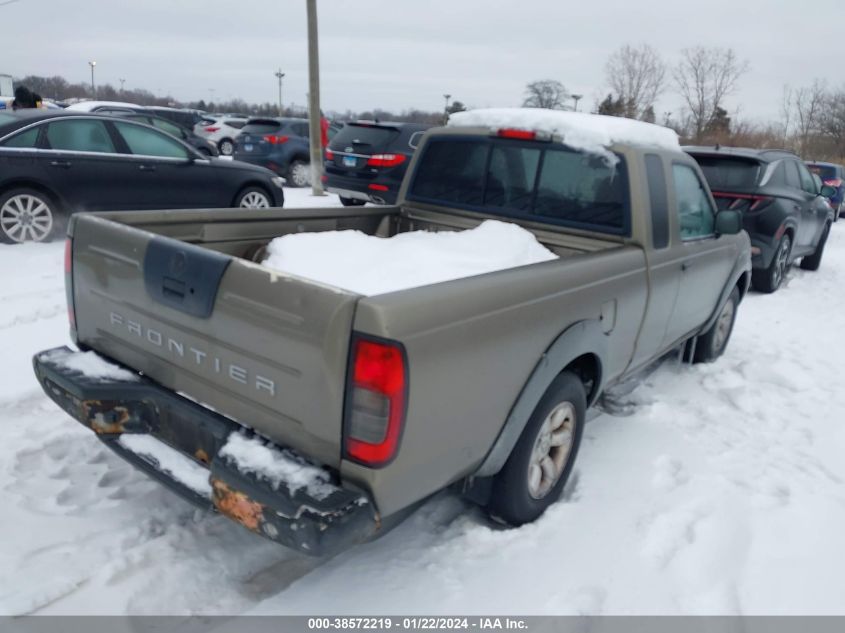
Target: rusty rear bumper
[114, 407]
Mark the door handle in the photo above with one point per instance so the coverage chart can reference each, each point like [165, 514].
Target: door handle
[147, 167]
[64, 164]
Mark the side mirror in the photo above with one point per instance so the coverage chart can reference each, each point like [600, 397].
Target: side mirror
[728, 222]
[827, 191]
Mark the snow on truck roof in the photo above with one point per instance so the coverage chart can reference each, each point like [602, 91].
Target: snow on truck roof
[592, 133]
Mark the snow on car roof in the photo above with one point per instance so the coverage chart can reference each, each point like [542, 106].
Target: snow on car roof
[88, 106]
[592, 133]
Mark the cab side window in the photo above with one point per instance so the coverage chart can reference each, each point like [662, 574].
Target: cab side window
[696, 216]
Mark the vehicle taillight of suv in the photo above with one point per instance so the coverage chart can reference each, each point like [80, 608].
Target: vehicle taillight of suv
[366, 160]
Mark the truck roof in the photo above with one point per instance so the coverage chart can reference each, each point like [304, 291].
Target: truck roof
[592, 133]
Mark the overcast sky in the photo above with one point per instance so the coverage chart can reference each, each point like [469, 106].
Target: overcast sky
[401, 54]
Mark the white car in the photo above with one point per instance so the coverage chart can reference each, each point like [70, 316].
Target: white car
[221, 131]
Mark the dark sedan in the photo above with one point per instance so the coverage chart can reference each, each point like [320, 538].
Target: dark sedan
[783, 207]
[54, 163]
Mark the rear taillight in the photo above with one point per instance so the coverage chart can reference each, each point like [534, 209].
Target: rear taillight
[386, 160]
[745, 201]
[329, 154]
[69, 282]
[376, 398]
[376, 187]
[211, 128]
[273, 139]
[836, 182]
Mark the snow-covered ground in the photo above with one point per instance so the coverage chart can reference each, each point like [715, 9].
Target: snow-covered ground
[721, 492]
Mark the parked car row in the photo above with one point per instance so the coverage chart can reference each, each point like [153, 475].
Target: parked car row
[56, 162]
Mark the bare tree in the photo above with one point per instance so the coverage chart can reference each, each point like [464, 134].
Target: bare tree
[704, 78]
[637, 76]
[832, 122]
[546, 93]
[809, 105]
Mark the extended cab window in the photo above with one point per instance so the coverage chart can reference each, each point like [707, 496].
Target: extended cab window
[695, 213]
[80, 135]
[538, 182]
[145, 142]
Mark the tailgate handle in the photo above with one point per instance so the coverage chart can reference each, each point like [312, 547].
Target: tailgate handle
[183, 276]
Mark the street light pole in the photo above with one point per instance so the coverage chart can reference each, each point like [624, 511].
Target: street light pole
[93, 88]
[122, 81]
[314, 131]
[576, 99]
[281, 76]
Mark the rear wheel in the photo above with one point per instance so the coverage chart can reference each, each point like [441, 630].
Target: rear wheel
[812, 262]
[352, 202]
[299, 173]
[712, 343]
[542, 460]
[27, 215]
[769, 279]
[226, 147]
[253, 198]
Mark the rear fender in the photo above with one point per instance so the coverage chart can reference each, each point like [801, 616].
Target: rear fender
[580, 339]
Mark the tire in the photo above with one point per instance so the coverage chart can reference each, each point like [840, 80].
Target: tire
[253, 198]
[523, 490]
[299, 174]
[812, 262]
[351, 202]
[769, 279]
[713, 342]
[226, 147]
[27, 215]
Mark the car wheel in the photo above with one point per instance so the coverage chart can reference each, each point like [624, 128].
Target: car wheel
[769, 279]
[253, 198]
[299, 174]
[812, 262]
[27, 215]
[713, 342]
[542, 460]
[226, 147]
[352, 202]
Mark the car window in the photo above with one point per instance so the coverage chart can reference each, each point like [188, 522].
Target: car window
[415, 139]
[235, 124]
[695, 213]
[300, 129]
[80, 135]
[511, 176]
[146, 142]
[793, 178]
[170, 128]
[807, 182]
[29, 138]
[582, 189]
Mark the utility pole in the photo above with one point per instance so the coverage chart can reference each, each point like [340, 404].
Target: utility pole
[314, 131]
[122, 81]
[576, 99]
[280, 75]
[93, 89]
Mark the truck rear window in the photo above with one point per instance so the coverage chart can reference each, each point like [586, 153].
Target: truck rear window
[729, 174]
[544, 183]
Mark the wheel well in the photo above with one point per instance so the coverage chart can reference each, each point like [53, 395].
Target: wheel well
[23, 184]
[256, 185]
[588, 369]
[743, 283]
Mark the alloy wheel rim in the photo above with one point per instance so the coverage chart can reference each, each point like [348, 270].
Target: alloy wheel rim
[551, 450]
[299, 175]
[226, 148]
[782, 258]
[26, 218]
[723, 325]
[255, 200]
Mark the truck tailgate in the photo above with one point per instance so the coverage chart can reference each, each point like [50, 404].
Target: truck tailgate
[265, 349]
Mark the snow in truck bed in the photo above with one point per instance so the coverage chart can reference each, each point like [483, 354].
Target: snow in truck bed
[372, 265]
